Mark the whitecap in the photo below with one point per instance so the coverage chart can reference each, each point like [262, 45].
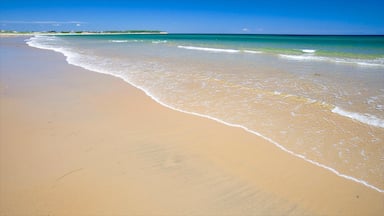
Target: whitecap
[252, 51]
[363, 118]
[209, 49]
[308, 51]
[118, 41]
[159, 41]
[302, 57]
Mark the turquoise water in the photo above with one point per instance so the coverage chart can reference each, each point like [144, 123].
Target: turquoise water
[365, 47]
[319, 98]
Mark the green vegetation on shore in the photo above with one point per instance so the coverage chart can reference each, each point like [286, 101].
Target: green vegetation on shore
[7, 32]
[135, 31]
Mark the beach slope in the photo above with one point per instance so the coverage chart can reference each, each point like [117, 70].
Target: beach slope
[74, 142]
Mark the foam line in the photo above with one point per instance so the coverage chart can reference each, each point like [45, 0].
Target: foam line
[302, 57]
[118, 41]
[308, 55]
[308, 51]
[209, 49]
[252, 51]
[359, 62]
[363, 118]
[71, 59]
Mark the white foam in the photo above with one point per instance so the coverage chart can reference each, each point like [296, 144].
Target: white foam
[369, 64]
[72, 58]
[159, 41]
[277, 93]
[363, 118]
[125, 41]
[307, 56]
[118, 41]
[209, 49]
[34, 42]
[302, 57]
[308, 51]
[252, 51]
[359, 62]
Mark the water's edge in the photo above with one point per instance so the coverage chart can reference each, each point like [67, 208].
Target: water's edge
[87, 67]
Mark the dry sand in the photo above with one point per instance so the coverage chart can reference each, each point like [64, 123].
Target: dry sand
[74, 142]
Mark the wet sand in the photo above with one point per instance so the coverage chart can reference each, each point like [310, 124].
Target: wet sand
[74, 142]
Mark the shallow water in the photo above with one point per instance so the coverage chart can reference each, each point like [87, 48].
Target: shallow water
[320, 98]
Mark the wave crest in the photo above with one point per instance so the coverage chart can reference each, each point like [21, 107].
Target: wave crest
[209, 49]
[363, 118]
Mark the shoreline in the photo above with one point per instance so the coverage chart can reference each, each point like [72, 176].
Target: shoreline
[74, 33]
[267, 139]
[253, 132]
[101, 117]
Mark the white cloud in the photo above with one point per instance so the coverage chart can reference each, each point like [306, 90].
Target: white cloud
[41, 22]
[245, 29]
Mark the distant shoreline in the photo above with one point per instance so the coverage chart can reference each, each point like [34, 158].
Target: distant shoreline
[15, 33]
[137, 32]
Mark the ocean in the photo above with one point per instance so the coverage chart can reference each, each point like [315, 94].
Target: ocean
[319, 98]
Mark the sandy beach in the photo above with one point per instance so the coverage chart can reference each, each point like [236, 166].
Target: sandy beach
[74, 142]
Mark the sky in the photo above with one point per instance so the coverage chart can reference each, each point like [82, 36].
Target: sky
[199, 16]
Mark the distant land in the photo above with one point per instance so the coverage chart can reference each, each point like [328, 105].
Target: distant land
[21, 33]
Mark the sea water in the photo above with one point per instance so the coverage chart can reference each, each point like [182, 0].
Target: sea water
[319, 98]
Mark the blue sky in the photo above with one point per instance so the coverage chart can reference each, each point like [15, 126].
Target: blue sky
[225, 16]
